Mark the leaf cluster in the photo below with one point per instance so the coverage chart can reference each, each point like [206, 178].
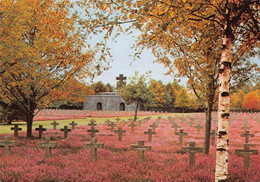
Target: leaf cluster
[43, 53]
[137, 90]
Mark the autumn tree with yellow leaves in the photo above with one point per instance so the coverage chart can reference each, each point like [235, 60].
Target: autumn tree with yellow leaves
[43, 54]
[237, 99]
[159, 93]
[252, 101]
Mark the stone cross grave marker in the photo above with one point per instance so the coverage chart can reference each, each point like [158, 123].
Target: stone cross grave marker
[16, 129]
[121, 79]
[92, 132]
[140, 148]
[92, 123]
[130, 120]
[140, 122]
[93, 145]
[41, 130]
[120, 133]
[145, 120]
[112, 125]
[245, 128]
[54, 125]
[66, 131]
[48, 145]
[73, 124]
[154, 125]
[117, 119]
[246, 152]
[213, 134]
[191, 123]
[181, 133]
[198, 126]
[7, 143]
[157, 121]
[200, 121]
[148, 118]
[123, 122]
[132, 125]
[107, 122]
[150, 133]
[192, 150]
[172, 121]
[176, 126]
[247, 135]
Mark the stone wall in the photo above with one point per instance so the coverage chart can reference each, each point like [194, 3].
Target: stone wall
[107, 101]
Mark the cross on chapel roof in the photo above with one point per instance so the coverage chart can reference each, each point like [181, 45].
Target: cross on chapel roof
[121, 79]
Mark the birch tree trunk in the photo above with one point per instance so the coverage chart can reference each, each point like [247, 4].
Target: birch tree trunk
[224, 107]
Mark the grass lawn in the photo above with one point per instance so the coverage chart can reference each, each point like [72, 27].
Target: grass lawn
[6, 129]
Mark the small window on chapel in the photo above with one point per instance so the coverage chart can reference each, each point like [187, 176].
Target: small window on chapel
[99, 106]
[122, 106]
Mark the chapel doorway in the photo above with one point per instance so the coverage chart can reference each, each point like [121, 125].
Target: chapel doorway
[99, 106]
[122, 106]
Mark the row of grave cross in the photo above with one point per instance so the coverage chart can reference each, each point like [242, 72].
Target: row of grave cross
[65, 130]
[181, 133]
[93, 145]
[48, 145]
[7, 143]
[246, 152]
[41, 129]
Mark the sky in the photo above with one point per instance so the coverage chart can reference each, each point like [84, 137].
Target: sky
[123, 63]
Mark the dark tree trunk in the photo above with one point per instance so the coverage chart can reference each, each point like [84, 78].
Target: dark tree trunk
[9, 122]
[208, 113]
[29, 129]
[29, 121]
[136, 109]
[29, 118]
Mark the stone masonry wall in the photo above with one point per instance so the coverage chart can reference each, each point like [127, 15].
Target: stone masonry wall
[110, 101]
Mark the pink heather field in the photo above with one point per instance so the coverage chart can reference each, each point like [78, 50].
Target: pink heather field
[81, 114]
[117, 162]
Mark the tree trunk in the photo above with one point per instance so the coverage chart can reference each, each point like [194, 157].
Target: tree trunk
[29, 122]
[9, 122]
[224, 107]
[136, 109]
[207, 129]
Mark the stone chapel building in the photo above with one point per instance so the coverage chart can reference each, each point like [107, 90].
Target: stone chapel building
[108, 101]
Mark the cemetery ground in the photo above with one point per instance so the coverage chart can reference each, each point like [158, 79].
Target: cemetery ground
[162, 158]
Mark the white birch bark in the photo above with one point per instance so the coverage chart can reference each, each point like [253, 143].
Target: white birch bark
[223, 112]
